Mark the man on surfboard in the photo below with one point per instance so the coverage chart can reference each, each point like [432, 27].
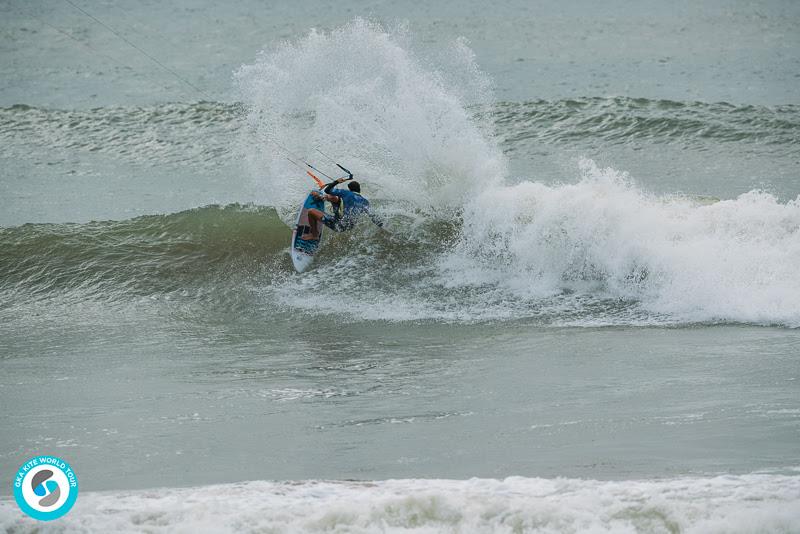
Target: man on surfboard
[348, 207]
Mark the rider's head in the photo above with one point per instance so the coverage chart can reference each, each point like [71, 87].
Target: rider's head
[354, 186]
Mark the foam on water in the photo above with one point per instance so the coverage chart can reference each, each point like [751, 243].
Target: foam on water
[399, 116]
[597, 252]
[690, 259]
[730, 504]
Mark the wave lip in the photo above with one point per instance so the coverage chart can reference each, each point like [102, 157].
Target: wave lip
[730, 504]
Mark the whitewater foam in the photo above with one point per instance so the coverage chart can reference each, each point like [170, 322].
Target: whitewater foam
[601, 251]
[730, 504]
[361, 90]
[733, 260]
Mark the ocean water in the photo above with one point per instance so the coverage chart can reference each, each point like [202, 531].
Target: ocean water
[583, 317]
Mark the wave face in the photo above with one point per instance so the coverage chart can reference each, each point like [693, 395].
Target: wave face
[152, 255]
[730, 504]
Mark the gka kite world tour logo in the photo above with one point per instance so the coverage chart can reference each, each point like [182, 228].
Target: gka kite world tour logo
[45, 487]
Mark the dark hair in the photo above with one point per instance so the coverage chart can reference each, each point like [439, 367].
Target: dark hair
[354, 186]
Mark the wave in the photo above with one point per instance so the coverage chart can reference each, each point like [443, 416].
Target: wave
[207, 134]
[689, 259]
[600, 251]
[597, 252]
[145, 255]
[468, 244]
[731, 504]
[594, 253]
[197, 134]
[624, 120]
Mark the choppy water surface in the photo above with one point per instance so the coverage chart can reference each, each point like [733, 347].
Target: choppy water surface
[592, 291]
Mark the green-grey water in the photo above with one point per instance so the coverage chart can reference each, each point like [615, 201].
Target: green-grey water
[589, 278]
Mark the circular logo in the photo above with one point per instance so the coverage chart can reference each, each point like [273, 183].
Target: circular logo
[45, 487]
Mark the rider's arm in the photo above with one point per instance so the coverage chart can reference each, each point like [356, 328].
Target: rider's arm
[329, 188]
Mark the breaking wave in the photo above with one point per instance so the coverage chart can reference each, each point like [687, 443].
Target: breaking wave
[468, 242]
[730, 504]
